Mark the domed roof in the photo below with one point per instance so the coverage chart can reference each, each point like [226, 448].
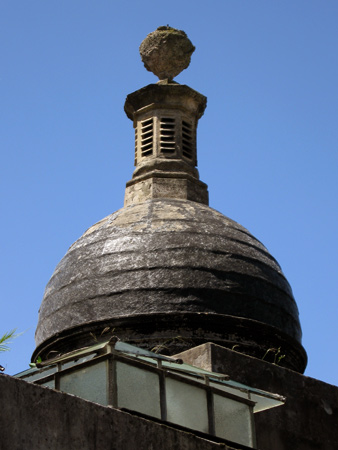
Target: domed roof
[166, 271]
[165, 261]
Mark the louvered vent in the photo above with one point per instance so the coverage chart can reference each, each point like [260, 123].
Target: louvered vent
[147, 135]
[187, 141]
[167, 135]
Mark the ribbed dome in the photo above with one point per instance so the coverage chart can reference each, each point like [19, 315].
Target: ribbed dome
[167, 271]
[165, 268]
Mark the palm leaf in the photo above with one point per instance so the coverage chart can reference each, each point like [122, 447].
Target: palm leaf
[6, 339]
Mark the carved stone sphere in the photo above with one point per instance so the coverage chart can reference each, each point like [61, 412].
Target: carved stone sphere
[166, 52]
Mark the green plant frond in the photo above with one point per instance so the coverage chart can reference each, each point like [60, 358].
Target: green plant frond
[5, 339]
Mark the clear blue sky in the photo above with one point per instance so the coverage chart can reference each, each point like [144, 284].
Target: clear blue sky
[267, 144]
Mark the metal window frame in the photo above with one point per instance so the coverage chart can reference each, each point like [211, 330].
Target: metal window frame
[113, 356]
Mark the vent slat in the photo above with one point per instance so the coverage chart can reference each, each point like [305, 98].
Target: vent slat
[167, 135]
[146, 141]
[187, 140]
[147, 147]
[147, 137]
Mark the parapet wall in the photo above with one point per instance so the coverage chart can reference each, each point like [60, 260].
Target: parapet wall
[37, 418]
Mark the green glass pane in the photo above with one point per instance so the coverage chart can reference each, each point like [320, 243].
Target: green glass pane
[232, 420]
[231, 390]
[138, 389]
[88, 382]
[186, 405]
[75, 362]
[39, 374]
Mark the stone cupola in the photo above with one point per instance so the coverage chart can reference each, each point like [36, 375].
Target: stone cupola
[165, 117]
[166, 271]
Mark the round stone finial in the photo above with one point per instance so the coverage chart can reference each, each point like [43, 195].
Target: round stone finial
[166, 52]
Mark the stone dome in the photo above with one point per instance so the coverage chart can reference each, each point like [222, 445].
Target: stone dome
[171, 273]
[167, 272]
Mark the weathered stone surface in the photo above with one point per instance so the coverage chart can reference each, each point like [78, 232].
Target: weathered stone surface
[159, 172]
[172, 95]
[156, 187]
[308, 419]
[37, 418]
[166, 52]
[173, 258]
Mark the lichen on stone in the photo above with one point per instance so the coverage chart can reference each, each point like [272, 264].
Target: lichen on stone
[166, 52]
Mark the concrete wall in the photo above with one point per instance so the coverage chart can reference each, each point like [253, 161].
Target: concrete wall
[309, 418]
[37, 418]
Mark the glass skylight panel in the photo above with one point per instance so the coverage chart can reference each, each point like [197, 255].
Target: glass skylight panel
[138, 389]
[125, 376]
[88, 382]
